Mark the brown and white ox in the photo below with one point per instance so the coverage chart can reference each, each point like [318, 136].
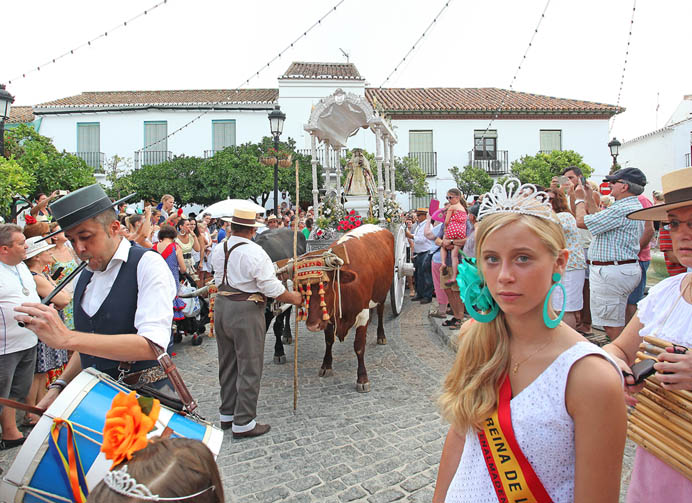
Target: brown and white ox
[364, 283]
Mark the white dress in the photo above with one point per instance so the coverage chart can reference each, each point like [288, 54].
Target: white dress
[543, 429]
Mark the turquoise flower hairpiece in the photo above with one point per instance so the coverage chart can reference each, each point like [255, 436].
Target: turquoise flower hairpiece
[474, 293]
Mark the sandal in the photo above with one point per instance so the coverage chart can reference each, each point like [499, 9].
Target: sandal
[436, 313]
[449, 322]
[10, 444]
[456, 325]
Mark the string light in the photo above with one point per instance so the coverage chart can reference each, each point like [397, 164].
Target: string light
[624, 67]
[496, 114]
[247, 80]
[85, 44]
[413, 47]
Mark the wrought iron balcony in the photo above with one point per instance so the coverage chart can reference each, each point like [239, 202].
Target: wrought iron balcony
[495, 163]
[427, 161]
[210, 153]
[422, 201]
[335, 156]
[150, 157]
[94, 160]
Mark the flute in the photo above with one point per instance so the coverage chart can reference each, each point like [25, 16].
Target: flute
[59, 288]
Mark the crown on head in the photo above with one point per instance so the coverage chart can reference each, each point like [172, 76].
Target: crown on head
[123, 483]
[514, 197]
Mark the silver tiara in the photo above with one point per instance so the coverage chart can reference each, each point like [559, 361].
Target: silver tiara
[123, 483]
[514, 197]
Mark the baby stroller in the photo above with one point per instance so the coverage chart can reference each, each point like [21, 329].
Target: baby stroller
[195, 312]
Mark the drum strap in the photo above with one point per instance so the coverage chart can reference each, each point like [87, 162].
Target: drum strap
[176, 379]
[22, 406]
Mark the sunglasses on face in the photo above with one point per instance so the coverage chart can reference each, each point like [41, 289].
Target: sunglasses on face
[451, 197]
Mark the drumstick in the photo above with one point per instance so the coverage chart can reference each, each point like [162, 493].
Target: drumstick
[58, 288]
[22, 406]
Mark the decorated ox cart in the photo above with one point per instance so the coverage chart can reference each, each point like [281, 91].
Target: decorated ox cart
[373, 200]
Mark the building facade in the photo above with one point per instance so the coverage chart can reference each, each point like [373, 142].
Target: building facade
[441, 127]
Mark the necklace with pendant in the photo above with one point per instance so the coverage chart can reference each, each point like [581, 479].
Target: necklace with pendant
[515, 369]
[25, 290]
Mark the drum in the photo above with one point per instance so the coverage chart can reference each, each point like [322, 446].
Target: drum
[37, 474]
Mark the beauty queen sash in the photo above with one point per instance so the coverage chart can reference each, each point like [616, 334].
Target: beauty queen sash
[511, 473]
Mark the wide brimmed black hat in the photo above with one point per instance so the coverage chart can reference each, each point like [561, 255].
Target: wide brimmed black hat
[81, 205]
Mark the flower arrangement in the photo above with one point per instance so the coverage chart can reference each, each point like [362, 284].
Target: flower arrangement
[392, 210]
[349, 222]
[127, 424]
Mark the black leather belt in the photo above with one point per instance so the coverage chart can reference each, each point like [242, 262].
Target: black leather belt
[187, 255]
[613, 262]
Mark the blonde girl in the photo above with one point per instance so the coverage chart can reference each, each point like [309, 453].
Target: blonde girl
[562, 394]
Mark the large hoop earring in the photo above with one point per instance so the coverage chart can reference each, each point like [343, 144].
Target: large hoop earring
[546, 318]
[483, 318]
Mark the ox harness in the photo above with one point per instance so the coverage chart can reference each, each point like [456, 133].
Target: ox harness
[312, 270]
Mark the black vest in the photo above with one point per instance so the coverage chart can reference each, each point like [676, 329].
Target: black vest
[115, 316]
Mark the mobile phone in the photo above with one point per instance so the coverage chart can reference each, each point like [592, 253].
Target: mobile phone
[62, 192]
[562, 180]
[643, 369]
[582, 180]
[57, 273]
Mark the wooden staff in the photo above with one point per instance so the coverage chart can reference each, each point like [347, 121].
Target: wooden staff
[295, 261]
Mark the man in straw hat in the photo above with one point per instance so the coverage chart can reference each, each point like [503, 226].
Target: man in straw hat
[422, 247]
[123, 297]
[664, 313]
[245, 277]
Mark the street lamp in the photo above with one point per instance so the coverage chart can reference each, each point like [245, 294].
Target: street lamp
[6, 99]
[276, 125]
[614, 146]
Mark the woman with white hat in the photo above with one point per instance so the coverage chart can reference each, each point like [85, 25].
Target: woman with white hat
[665, 313]
[38, 259]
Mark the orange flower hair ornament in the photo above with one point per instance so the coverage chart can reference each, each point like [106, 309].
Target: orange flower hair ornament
[128, 422]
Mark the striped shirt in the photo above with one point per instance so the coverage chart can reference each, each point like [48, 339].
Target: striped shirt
[666, 244]
[615, 237]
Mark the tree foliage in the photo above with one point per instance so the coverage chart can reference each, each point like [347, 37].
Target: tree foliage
[50, 170]
[409, 177]
[541, 168]
[119, 184]
[471, 181]
[13, 180]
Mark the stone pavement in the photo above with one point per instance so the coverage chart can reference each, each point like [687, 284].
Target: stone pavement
[340, 445]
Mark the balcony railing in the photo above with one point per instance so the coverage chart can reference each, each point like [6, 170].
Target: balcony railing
[210, 153]
[427, 161]
[335, 155]
[688, 160]
[494, 163]
[422, 201]
[548, 151]
[149, 157]
[94, 160]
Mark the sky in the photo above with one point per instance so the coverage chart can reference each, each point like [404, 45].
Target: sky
[578, 52]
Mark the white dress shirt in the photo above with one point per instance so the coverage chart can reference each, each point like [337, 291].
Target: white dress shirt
[420, 242]
[157, 289]
[249, 268]
[14, 338]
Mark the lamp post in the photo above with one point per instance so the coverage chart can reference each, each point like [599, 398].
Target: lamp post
[614, 146]
[6, 100]
[276, 125]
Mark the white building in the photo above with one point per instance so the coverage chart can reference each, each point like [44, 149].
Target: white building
[441, 127]
[663, 150]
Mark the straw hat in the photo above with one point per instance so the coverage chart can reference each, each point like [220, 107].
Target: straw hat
[677, 192]
[242, 217]
[36, 245]
[422, 210]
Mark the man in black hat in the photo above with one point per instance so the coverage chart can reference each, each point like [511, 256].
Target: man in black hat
[614, 270]
[123, 298]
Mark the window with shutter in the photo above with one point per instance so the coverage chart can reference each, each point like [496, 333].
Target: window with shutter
[485, 144]
[89, 143]
[550, 139]
[155, 142]
[420, 147]
[223, 134]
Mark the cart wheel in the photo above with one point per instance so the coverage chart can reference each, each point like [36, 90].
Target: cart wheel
[396, 292]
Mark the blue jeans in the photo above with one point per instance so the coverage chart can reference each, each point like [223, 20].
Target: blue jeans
[638, 293]
[424, 281]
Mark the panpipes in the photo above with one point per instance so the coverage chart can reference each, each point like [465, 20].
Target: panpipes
[662, 419]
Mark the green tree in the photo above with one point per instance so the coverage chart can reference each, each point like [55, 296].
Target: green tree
[177, 177]
[541, 168]
[13, 180]
[409, 177]
[119, 184]
[51, 170]
[471, 181]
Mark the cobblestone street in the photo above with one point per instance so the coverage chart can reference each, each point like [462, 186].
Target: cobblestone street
[340, 445]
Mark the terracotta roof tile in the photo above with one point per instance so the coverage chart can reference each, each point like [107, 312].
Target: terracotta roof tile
[183, 97]
[21, 114]
[477, 100]
[334, 71]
